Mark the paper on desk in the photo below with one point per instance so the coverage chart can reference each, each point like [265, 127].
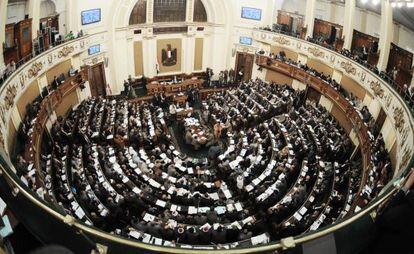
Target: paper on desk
[7, 229]
[148, 217]
[214, 196]
[80, 213]
[2, 206]
[135, 234]
[238, 206]
[220, 209]
[192, 210]
[160, 203]
[260, 239]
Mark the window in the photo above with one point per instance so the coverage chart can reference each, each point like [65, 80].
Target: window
[139, 13]
[200, 14]
[169, 10]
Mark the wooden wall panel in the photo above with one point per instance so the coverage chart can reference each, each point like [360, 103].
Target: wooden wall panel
[341, 118]
[289, 53]
[62, 67]
[198, 54]
[68, 102]
[278, 78]
[28, 96]
[353, 87]
[162, 46]
[138, 59]
[319, 66]
[11, 138]
[393, 156]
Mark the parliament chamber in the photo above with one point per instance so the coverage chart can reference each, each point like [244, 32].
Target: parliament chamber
[206, 126]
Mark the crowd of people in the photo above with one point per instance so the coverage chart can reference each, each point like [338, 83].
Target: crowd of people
[277, 166]
[361, 57]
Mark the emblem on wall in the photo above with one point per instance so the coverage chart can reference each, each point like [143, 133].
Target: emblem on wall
[65, 51]
[34, 69]
[169, 56]
[11, 93]
[348, 67]
[316, 52]
[281, 40]
[399, 119]
[376, 87]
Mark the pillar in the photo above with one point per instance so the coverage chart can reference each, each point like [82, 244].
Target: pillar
[73, 18]
[150, 11]
[34, 14]
[385, 35]
[3, 20]
[310, 17]
[349, 23]
[190, 11]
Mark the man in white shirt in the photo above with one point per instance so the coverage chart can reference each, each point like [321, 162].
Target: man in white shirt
[173, 112]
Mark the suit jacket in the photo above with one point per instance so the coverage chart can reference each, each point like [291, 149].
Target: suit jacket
[394, 228]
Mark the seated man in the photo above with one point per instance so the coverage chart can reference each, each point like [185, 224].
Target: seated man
[72, 72]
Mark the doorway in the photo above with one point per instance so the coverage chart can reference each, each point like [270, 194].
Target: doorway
[97, 80]
[244, 66]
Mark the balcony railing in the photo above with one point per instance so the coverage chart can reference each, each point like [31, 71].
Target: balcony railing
[404, 93]
[7, 71]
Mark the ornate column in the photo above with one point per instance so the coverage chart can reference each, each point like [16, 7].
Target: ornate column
[72, 16]
[190, 11]
[386, 34]
[349, 23]
[150, 11]
[3, 20]
[310, 17]
[34, 14]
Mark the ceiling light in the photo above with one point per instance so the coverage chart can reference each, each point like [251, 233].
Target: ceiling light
[410, 5]
[375, 2]
[364, 1]
[393, 4]
[400, 4]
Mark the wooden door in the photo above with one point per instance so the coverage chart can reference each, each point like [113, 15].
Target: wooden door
[381, 119]
[244, 63]
[24, 37]
[97, 80]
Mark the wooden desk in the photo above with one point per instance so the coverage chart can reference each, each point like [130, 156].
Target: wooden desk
[157, 87]
[180, 99]
[183, 113]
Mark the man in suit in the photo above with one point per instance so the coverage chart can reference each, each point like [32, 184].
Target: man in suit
[393, 230]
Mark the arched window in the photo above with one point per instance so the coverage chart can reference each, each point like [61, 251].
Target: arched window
[139, 13]
[169, 10]
[47, 9]
[200, 14]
